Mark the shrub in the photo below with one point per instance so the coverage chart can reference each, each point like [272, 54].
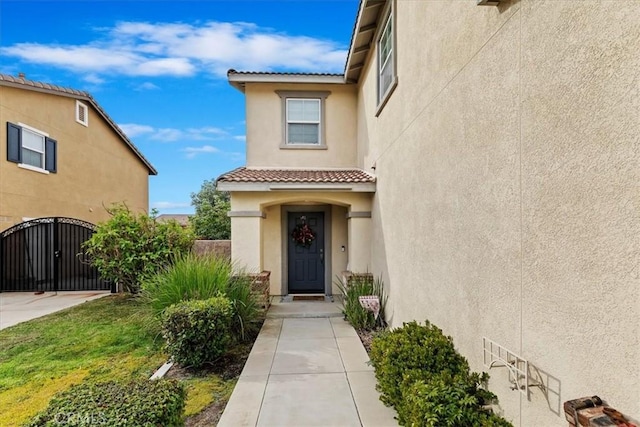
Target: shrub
[356, 315]
[412, 353]
[197, 332]
[429, 383]
[193, 277]
[446, 401]
[129, 247]
[133, 404]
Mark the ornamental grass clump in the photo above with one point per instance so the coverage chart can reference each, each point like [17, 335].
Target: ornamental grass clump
[192, 277]
[362, 285]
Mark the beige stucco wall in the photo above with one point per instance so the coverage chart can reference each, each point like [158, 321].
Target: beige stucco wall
[507, 195]
[95, 167]
[264, 112]
[257, 241]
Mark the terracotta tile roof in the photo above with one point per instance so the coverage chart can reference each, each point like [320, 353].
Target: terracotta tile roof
[21, 82]
[275, 73]
[338, 176]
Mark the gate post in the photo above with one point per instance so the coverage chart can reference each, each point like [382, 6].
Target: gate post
[56, 256]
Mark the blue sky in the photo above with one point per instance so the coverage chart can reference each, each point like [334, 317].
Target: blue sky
[159, 69]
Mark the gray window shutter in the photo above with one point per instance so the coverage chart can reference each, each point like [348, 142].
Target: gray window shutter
[14, 143]
[51, 155]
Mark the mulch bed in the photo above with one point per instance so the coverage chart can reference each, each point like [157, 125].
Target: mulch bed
[366, 337]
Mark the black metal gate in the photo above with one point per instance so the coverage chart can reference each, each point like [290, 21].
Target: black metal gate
[46, 254]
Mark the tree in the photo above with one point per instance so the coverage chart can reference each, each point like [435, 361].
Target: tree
[129, 247]
[212, 206]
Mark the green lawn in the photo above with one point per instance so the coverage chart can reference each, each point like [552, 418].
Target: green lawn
[109, 338]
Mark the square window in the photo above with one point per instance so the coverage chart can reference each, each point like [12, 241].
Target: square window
[31, 148]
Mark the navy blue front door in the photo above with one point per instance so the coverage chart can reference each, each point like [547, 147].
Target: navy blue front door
[306, 261]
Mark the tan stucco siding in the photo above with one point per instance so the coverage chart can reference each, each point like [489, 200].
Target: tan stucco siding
[507, 193]
[94, 166]
[265, 125]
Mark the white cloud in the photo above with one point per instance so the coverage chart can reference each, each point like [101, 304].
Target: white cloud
[175, 49]
[194, 151]
[94, 79]
[147, 86]
[242, 138]
[169, 205]
[206, 133]
[132, 130]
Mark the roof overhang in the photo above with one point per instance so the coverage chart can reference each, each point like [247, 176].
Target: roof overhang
[353, 187]
[362, 38]
[239, 79]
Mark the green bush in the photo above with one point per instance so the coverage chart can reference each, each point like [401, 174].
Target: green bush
[412, 353]
[138, 403]
[193, 277]
[197, 332]
[448, 402]
[429, 383]
[356, 315]
[130, 247]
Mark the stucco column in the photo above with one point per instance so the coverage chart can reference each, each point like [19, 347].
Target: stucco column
[359, 225]
[246, 239]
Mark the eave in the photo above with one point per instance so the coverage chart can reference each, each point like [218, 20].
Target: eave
[362, 38]
[239, 79]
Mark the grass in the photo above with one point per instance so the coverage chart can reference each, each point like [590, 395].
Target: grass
[109, 338]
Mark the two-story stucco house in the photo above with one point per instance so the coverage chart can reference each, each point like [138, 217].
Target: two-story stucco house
[485, 161]
[61, 155]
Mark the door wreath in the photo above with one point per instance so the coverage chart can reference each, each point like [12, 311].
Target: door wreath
[302, 234]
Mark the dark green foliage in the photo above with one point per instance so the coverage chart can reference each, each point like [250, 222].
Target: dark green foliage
[139, 403]
[193, 277]
[413, 353]
[197, 332]
[130, 247]
[429, 383]
[356, 315]
[211, 220]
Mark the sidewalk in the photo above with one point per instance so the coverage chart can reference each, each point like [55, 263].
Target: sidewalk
[307, 372]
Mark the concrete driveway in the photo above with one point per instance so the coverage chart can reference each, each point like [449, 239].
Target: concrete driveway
[16, 307]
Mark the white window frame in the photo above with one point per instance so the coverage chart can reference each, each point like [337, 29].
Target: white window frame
[304, 122]
[82, 106]
[388, 30]
[320, 96]
[44, 135]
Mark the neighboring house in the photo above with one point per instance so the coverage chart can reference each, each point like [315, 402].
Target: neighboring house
[63, 157]
[484, 161]
[182, 219]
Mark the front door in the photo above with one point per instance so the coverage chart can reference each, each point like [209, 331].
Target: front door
[305, 234]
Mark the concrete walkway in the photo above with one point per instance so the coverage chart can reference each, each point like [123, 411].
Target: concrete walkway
[17, 307]
[306, 371]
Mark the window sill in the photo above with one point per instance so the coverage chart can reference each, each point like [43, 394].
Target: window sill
[32, 168]
[387, 95]
[303, 147]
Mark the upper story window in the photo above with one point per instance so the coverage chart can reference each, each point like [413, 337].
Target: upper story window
[31, 148]
[386, 61]
[304, 119]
